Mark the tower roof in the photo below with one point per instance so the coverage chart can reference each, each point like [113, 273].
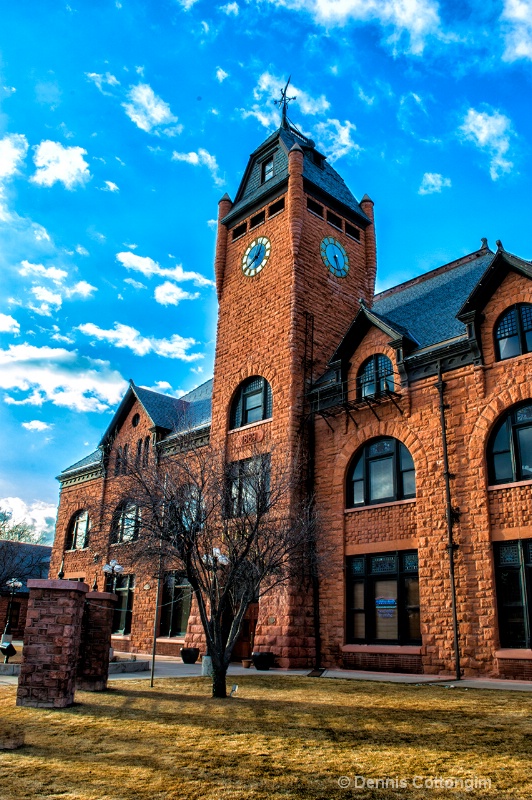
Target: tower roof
[320, 179]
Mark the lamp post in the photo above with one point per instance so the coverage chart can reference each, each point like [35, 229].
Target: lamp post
[113, 568]
[7, 648]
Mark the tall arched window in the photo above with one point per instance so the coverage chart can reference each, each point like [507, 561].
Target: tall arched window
[375, 376]
[126, 522]
[78, 531]
[252, 402]
[382, 471]
[513, 332]
[510, 446]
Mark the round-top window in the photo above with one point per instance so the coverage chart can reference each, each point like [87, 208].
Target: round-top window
[136, 419]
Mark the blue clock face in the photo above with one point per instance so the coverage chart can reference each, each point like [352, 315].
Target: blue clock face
[256, 256]
[334, 257]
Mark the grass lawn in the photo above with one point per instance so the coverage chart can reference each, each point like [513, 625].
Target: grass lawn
[280, 737]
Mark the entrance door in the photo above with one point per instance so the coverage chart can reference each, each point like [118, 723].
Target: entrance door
[244, 644]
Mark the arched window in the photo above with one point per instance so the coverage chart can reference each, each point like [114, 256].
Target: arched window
[375, 376]
[513, 332]
[126, 523]
[146, 455]
[252, 402]
[118, 461]
[510, 447]
[78, 531]
[138, 457]
[382, 471]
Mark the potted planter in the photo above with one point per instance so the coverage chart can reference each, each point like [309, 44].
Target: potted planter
[189, 655]
[247, 662]
[263, 661]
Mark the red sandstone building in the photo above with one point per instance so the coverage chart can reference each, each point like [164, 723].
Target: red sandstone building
[415, 409]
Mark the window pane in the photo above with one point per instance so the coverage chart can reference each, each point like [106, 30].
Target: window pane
[502, 441]
[358, 595]
[407, 462]
[524, 436]
[509, 347]
[409, 484]
[386, 610]
[359, 625]
[358, 492]
[381, 479]
[253, 408]
[381, 447]
[502, 467]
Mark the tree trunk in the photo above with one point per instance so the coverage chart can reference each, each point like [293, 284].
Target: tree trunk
[219, 688]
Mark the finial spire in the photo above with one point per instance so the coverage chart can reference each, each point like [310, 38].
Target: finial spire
[283, 102]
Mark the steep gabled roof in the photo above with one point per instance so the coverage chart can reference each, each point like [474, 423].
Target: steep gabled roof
[502, 264]
[91, 461]
[364, 319]
[427, 306]
[319, 175]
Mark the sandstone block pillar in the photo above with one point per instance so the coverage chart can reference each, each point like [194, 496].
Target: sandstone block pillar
[93, 664]
[51, 643]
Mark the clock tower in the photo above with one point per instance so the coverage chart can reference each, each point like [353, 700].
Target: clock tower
[295, 254]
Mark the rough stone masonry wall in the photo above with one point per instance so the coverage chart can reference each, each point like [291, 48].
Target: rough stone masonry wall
[51, 644]
[476, 397]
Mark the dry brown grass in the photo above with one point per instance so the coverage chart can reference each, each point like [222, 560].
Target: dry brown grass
[281, 737]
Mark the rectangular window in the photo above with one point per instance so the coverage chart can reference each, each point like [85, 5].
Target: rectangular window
[334, 219]
[123, 586]
[248, 488]
[239, 230]
[513, 573]
[276, 207]
[351, 231]
[258, 219]
[267, 170]
[383, 599]
[175, 605]
[314, 207]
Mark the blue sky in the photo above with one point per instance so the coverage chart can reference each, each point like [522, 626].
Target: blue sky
[122, 124]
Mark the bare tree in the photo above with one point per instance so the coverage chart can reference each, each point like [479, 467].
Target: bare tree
[234, 530]
[19, 556]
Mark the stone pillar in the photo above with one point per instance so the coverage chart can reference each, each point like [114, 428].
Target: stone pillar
[93, 663]
[51, 643]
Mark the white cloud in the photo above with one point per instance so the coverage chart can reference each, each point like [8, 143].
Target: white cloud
[8, 324]
[230, 8]
[413, 20]
[187, 4]
[336, 138]
[149, 112]
[13, 149]
[111, 187]
[491, 133]
[135, 284]
[51, 273]
[40, 515]
[100, 80]
[82, 251]
[50, 301]
[517, 26]
[124, 336]
[433, 182]
[80, 289]
[56, 163]
[221, 74]
[58, 376]
[37, 425]
[148, 267]
[169, 294]
[201, 158]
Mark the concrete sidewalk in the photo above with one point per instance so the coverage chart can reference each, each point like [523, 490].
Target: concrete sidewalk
[171, 667]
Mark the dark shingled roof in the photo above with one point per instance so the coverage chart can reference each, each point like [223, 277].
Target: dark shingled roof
[325, 178]
[427, 306]
[91, 460]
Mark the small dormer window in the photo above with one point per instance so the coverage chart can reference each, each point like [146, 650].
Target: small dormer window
[267, 170]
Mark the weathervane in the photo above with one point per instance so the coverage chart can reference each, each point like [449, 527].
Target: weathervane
[283, 102]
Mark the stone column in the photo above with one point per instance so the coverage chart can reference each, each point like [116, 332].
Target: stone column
[93, 664]
[51, 643]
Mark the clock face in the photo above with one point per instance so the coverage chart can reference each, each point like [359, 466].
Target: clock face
[256, 256]
[334, 257]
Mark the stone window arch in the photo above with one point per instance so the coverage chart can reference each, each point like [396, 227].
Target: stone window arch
[78, 531]
[510, 446]
[375, 376]
[513, 332]
[381, 471]
[252, 402]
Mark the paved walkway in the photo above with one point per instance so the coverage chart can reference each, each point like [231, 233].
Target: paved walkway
[168, 667]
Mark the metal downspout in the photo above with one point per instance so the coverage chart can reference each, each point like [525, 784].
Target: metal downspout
[449, 513]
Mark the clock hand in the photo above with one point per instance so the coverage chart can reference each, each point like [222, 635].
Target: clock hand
[336, 258]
